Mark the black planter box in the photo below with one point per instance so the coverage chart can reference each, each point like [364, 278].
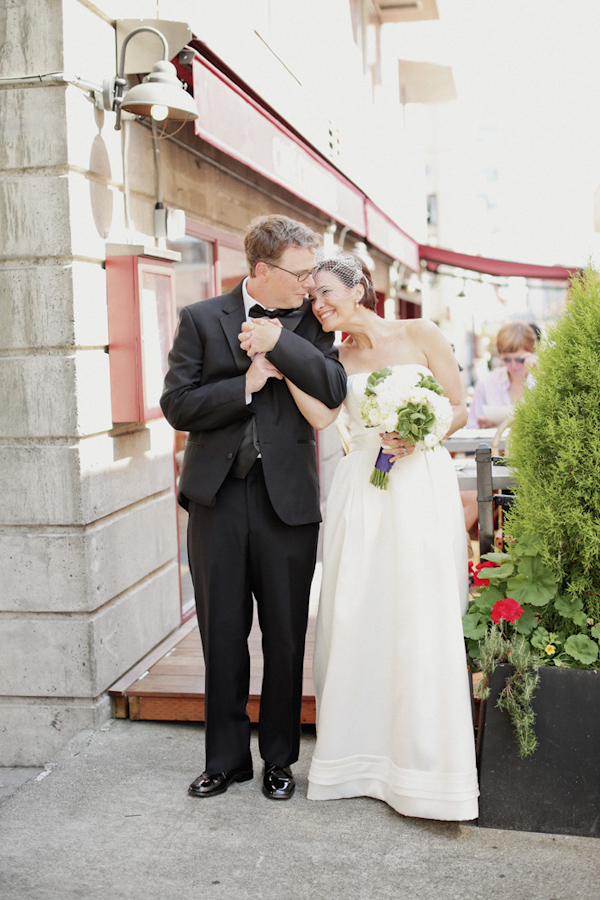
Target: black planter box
[557, 788]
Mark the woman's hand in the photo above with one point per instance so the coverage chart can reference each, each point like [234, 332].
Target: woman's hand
[259, 336]
[394, 446]
[486, 423]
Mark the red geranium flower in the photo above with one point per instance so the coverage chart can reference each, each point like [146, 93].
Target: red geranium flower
[507, 609]
[482, 582]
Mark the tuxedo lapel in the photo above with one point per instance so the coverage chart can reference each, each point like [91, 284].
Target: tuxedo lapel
[231, 323]
[292, 321]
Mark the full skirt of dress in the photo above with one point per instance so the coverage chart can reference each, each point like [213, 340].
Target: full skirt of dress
[394, 713]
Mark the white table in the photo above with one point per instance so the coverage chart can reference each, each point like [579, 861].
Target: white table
[466, 473]
[467, 440]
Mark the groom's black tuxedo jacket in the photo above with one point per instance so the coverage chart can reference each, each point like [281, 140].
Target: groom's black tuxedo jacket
[205, 390]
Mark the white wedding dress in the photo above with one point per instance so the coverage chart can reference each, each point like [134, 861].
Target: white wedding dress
[394, 714]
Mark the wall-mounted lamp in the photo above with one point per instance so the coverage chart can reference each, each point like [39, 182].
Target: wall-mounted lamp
[361, 250]
[160, 96]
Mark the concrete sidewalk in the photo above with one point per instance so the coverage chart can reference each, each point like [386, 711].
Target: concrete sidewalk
[110, 818]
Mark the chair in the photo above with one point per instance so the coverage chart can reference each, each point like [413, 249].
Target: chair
[499, 432]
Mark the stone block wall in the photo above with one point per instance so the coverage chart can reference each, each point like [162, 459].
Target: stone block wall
[89, 577]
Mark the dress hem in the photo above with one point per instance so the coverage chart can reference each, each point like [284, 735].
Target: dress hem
[463, 810]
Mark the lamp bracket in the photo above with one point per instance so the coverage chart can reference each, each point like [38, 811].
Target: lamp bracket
[146, 48]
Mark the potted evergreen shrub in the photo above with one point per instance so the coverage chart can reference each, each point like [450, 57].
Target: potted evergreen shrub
[540, 734]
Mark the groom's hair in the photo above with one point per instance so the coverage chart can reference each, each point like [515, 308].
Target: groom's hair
[269, 236]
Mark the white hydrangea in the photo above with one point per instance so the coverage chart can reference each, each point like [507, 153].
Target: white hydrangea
[396, 391]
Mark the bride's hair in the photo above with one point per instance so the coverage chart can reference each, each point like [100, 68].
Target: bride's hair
[350, 270]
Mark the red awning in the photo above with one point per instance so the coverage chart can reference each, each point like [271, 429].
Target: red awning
[235, 122]
[435, 256]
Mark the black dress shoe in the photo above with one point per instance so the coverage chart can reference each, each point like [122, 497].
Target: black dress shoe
[207, 785]
[278, 783]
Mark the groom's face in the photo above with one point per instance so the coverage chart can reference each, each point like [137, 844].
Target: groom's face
[284, 288]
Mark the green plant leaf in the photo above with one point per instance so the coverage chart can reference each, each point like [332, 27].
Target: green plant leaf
[581, 647]
[596, 631]
[535, 583]
[523, 591]
[474, 628]
[487, 598]
[527, 622]
[528, 545]
[503, 571]
[567, 606]
[540, 638]
[497, 557]
[473, 649]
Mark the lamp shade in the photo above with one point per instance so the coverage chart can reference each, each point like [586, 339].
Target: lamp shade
[161, 89]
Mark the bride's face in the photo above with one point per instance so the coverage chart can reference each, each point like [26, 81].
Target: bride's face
[333, 303]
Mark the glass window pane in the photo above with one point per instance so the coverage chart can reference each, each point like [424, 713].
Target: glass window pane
[194, 275]
[233, 267]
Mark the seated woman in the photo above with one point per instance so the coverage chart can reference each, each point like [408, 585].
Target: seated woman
[515, 343]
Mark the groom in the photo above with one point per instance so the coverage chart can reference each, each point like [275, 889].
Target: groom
[250, 483]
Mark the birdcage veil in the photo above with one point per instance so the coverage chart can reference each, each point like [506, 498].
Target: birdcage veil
[347, 267]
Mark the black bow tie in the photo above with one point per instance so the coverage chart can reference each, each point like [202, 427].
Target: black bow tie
[259, 312]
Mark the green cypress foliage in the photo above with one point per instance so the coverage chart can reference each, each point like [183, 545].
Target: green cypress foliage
[555, 449]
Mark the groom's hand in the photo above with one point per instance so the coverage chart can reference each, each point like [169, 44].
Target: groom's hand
[259, 373]
[259, 336]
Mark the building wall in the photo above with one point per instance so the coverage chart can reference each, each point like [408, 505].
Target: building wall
[87, 515]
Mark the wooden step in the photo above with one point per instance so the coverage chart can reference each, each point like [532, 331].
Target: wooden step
[168, 685]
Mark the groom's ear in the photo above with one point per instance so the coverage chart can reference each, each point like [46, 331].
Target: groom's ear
[262, 270]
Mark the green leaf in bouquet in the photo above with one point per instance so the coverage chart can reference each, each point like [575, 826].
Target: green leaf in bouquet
[429, 383]
[527, 622]
[582, 648]
[376, 378]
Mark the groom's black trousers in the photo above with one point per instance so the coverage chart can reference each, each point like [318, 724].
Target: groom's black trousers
[236, 549]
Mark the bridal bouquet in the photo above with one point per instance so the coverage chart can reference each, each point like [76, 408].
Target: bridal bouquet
[409, 403]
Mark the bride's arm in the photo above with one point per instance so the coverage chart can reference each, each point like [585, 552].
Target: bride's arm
[442, 362]
[316, 413]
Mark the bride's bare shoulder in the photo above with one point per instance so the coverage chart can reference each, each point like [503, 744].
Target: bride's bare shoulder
[420, 326]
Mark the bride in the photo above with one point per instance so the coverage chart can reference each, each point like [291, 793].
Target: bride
[394, 716]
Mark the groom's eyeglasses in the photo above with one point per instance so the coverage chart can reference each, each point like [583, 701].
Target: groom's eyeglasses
[300, 276]
[509, 359]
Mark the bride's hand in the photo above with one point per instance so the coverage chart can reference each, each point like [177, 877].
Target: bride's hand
[394, 446]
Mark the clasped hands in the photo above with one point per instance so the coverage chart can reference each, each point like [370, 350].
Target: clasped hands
[256, 339]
